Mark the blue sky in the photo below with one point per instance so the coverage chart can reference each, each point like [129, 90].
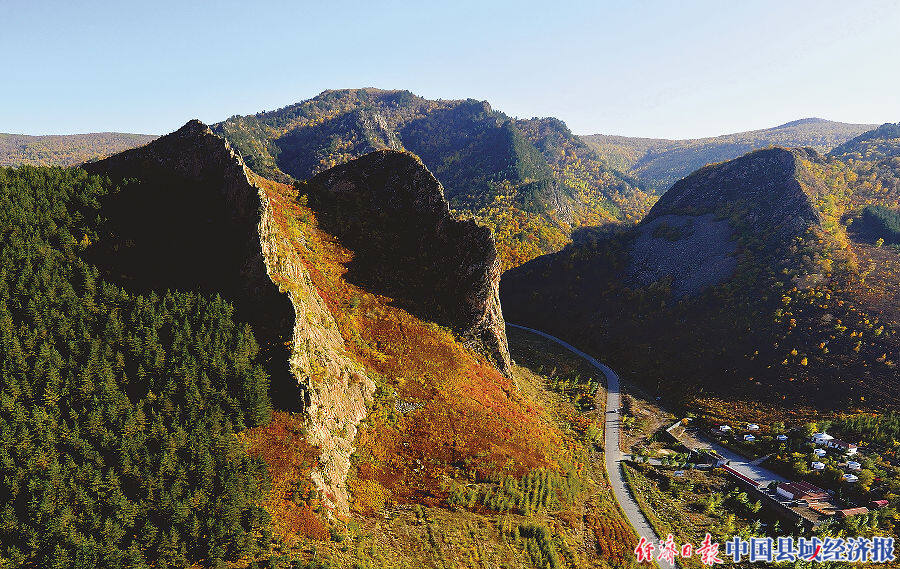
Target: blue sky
[642, 68]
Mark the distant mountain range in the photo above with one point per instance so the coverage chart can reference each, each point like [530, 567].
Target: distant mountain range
[532, 181]
[65, 149]
[658, 162]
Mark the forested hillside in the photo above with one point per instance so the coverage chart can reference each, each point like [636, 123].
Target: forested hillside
[531, 181]
[65, 149]
[753, 258]
[658, 163]
[118, 411]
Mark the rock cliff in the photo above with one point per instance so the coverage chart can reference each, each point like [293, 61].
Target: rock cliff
[388, 208]
[189, 217]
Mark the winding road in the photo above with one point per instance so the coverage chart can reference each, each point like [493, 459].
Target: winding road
[611, 443]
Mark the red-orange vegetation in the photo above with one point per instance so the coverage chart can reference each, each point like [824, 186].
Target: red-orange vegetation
[291, 502]
[442, 410]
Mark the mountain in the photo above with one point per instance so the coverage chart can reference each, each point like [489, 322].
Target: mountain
[65, 149]
[741, 292]
[660, 162]
[531, 181]
[219, 368]
[876, 144]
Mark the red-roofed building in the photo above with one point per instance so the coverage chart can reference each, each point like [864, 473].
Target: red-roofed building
[801, 491]
[878, 504]
[850, 512]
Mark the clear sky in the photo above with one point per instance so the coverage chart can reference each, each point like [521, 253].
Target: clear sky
[676, 69]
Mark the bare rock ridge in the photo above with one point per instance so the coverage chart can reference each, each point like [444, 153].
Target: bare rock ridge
[388, 208]
[186, 219]
[189, 217]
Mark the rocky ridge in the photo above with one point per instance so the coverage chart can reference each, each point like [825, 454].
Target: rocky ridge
[190, 215]
[254, 271]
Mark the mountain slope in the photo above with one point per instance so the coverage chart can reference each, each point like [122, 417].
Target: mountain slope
[531, 181]
[380, 333]
[741, 285]
[660, 162]
[65, 149]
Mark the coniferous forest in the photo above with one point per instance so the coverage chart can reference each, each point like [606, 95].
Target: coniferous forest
[118, 412]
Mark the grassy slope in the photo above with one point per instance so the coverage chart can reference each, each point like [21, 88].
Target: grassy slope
[445, 426]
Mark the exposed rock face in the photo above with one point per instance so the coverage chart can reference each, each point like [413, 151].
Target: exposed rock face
[771, 185]
[335, 390]
[694, 251]
[389, 209]
[194, 220]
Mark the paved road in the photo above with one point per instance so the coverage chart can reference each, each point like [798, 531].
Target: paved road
[696, 439]
[740, 463]
[611, 443]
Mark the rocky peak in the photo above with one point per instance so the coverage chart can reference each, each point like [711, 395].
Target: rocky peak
[772, 188]
[388, 208]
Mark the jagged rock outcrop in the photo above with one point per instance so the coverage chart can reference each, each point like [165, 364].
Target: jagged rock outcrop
[388, 208]
[193, 219]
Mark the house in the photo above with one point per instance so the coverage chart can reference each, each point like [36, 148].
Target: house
[850, 512]
[749, 438]
[782, 437]
[724, 428]
[842, 446]
[879, 504]
[752, 427]
[853, 465]
[819, 452]
[850, 477]
[801, 491]
[817, 465]
[821, 438]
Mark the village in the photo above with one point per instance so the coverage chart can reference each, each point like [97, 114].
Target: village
[692, 475]
[796, 501]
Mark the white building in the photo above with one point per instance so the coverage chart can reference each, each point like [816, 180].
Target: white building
[749, 438]
[853, 465]
[752, 427]
[842, 446]
[782, 437]
[850, 478]
[819, 452]
[818, 465]
[821, 438]
[724, 428]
